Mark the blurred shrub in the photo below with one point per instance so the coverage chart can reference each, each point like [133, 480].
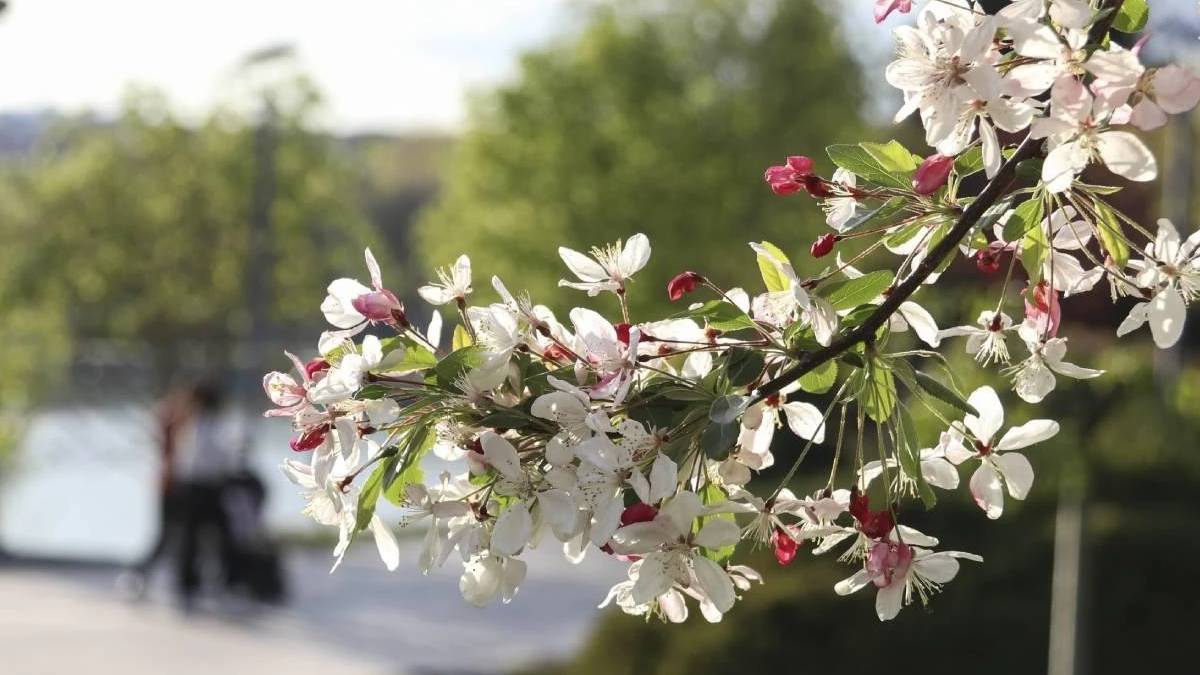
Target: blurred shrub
[656, 118]
[1128, 441]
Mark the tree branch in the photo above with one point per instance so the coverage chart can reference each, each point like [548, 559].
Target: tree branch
[990, 195]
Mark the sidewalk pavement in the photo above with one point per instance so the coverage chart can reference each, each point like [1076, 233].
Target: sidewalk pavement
[362, 619]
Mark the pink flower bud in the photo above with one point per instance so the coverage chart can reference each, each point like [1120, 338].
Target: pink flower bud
[638, 513]
[932, 174]
[785, 546]
[310, 440]
[800, 164]
[1042, 308]
[885, 7]
[379, 306]
[823, 245]
[682, 284]
[987, 259]
[315, 366]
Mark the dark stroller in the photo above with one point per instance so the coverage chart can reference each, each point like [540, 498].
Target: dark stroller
[253, 563]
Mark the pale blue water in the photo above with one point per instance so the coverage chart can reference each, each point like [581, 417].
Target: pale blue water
[84, 482]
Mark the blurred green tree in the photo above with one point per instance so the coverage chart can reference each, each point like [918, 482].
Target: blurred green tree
[146, 222]
[656, 118]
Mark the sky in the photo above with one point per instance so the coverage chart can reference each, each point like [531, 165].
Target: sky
[385, 65]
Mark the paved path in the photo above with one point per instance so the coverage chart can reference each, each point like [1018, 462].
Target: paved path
[360, 620]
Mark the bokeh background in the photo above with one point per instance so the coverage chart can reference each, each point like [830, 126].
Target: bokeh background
[179, 182]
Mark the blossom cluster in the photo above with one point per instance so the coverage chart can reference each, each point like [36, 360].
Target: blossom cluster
[645, 440]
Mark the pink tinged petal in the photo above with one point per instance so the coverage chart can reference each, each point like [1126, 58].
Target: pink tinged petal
[1167, 312]
[987, 490]
[512, 575]
[337, 306]
[939, 473]
[1017, 472]
[853, 583]
[1034, 78]
[1136, 318]
[991, 413]
[890, 600]
[1033, 381]
[513, 529]
[937, 567]
[921, 322]
[605, 521]
[656, 575]
[662, 478]
[992, 156]
[1030, 433]
[634, 255]
[805, 420]
[718, 533]
[1147, 115]
[1062, 164]
[385, 541]
[716, 583]
[436, 295]
[501, 455]
[641, 487]
[582, 266]
[373, 270]
[673, 606]
[1176, 89]
[1126, 156]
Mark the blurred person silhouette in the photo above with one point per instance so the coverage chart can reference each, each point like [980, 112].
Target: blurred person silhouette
[202, 458]
[172, 414]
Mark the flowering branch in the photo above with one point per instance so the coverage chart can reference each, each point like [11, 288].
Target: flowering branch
[642, 440]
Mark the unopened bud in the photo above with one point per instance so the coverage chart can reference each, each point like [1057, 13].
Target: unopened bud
[682, 284]
[823, 245]
[932, 174]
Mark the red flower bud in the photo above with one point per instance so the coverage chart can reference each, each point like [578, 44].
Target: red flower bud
[378, 306]
[623, 333]
[823, 245]
[987, 259]
[683, 283]
[315, 366]
[310, 440]
[932, 174]
[638, 513]
[800, 164]
[873, 524]
[816, 186]
[786, 188]
[785, 547]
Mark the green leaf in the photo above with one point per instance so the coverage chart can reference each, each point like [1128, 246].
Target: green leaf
[371, 489]
[713, 495]
[728, 409]
[462, 338]
[457, 363]
[892, 156]
[406, 470]
[721, 315]
[1112, 237]
[880, 164]
[851, 293]
[1035, 249]
[402, 355]
[1132, 16]
[993, 214]
[717, 439]
[969, 162]
[768, 266]
[879, 395]
[745, 365]
[820, 379]
[877, 216]
[909, 449]
[944, 393]
[1024, 218]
